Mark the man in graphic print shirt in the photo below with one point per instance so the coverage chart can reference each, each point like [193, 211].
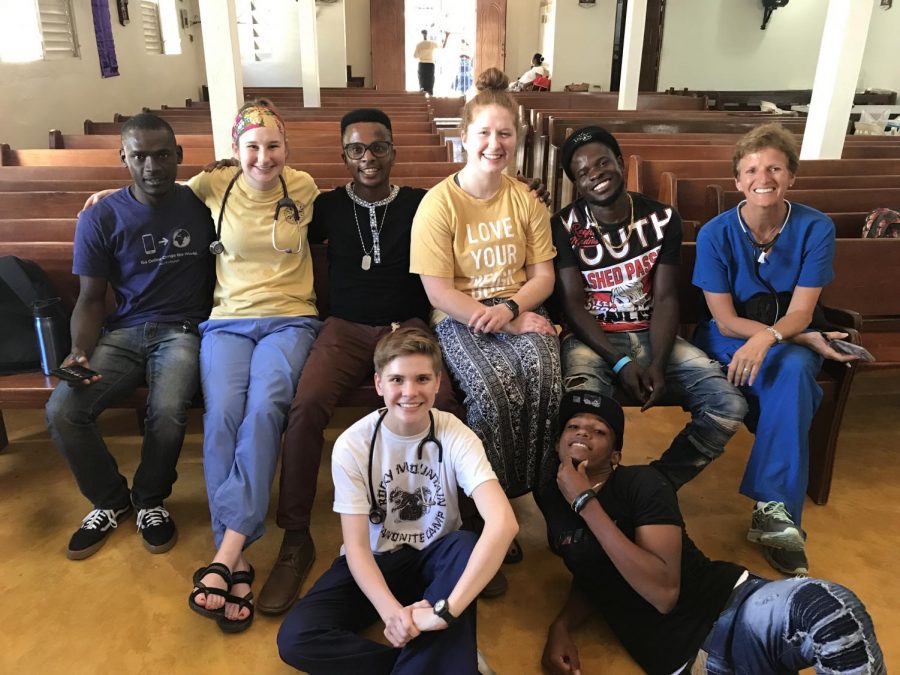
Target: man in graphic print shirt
[617, 283]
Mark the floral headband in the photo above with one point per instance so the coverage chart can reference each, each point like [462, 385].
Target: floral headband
[254, 117]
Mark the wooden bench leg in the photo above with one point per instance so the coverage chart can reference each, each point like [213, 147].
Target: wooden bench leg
[4, 439]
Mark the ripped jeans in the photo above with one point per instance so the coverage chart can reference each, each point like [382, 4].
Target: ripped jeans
[783, 626]
[694, 380]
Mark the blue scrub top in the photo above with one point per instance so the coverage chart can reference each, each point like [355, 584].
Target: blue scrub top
[802, 256]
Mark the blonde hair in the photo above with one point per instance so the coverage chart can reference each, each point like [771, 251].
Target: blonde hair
[492, 90]
[771, 135]
[407, 341]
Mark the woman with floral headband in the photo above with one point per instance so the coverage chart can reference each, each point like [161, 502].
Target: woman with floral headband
[253, 347]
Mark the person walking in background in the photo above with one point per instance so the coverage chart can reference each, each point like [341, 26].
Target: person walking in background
[424, 53]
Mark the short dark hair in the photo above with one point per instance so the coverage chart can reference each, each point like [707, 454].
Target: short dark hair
[537, 57]
[366, 115]
[145, 122]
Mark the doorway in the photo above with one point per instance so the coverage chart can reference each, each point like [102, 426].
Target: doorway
[652, 47]
[451, 24]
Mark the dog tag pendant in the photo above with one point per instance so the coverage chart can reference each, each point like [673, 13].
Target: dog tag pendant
[366, 262]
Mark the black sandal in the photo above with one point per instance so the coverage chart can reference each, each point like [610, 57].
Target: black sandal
[206, 591]
[239, 625]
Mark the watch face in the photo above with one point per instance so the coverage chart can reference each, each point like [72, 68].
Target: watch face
[440, 606]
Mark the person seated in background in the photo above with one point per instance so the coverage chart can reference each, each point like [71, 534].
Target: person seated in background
[535, 78]
[150, 243]
[404, 559]
[617, 269]
[762, 266]
[621, 534]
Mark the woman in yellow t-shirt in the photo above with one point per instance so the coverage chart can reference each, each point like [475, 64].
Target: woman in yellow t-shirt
[253, 347]
[483, 247]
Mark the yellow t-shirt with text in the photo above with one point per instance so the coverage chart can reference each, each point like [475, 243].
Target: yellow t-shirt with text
[253, 280]
[482, 244]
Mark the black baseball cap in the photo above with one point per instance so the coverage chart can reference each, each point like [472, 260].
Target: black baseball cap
[577, 401]
[583, 136]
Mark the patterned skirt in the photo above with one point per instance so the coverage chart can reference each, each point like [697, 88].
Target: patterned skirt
[512, 386]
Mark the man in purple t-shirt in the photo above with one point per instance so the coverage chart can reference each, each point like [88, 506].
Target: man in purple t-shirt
[149, 242]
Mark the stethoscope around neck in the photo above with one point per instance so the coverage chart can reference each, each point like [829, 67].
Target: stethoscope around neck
[217, 247]
[376, 513]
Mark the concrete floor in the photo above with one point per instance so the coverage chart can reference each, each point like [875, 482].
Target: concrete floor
[125, 611]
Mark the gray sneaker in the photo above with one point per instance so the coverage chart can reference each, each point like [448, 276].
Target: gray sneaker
[772, 526]
[792, 563]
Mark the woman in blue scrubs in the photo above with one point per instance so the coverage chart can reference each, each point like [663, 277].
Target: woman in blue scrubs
[762, 266]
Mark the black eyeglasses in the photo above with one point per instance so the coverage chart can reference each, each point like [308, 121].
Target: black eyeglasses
[358, 150]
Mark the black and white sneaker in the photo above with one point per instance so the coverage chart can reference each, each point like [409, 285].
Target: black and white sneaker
[95, 528]
[157, 528]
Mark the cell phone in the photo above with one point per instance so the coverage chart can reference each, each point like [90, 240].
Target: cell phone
[844, 347]
[74, 373]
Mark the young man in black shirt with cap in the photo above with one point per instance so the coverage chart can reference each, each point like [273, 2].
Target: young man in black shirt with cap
[621, 535]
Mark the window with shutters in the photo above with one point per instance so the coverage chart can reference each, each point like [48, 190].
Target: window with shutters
[34, 29]
[152, 32]
[162, 30]
[256, 22]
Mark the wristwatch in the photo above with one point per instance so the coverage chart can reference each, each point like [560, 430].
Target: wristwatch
[512, 305]
[442, 609]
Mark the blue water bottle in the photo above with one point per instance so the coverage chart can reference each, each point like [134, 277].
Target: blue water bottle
[50, 334]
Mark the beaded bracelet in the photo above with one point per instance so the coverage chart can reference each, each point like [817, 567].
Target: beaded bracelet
[621, 363]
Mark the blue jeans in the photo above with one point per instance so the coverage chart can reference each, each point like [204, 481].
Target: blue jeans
[693, 380]
[320, 635]
[783, 401]
[249, 371]
[164, 357]
[783, 626]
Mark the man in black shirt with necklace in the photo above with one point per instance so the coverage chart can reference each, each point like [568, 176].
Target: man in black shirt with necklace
[621, 534]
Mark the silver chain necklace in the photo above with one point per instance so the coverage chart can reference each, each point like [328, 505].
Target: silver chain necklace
[375, 251]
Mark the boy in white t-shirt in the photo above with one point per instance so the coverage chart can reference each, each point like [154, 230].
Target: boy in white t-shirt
[404, 559]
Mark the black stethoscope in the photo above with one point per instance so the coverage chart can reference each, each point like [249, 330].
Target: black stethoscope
[376, 513]
[285, 202]
[763, 250]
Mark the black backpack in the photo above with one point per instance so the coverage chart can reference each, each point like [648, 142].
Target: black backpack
[22, 282]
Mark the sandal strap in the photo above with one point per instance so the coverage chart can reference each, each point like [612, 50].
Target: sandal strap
[214, 568]
[209, 590]
[243, 577]
[246, 601]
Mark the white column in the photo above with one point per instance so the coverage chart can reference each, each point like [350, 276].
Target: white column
[837, 72]
[223, 69]
[632, 50]
[309, 54]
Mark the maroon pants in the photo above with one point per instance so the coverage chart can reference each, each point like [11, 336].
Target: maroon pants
[340, 360]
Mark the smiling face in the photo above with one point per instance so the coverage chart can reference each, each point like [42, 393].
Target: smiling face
[598, 174]
[371, 174]
[152, 158]
[764, 178]
[262, 152]
[490, 139]
[587, 437]
[409, 386]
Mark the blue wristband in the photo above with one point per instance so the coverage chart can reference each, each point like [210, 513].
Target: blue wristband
[621, 363]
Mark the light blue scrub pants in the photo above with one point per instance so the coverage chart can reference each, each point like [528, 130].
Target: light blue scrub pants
[783, 401]
[249, 370]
